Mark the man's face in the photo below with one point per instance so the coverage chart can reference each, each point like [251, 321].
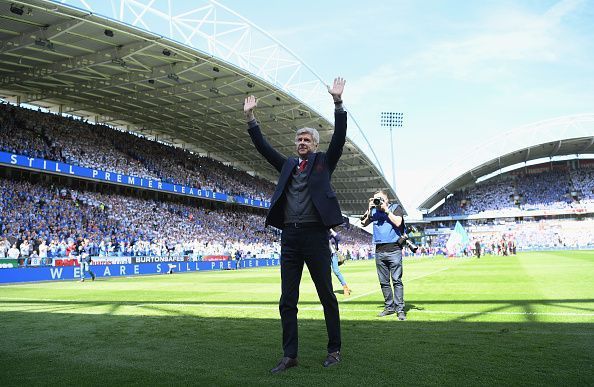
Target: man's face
[305, 145]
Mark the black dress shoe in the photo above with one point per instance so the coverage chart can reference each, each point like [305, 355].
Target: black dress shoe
[284, 364]
[332, 359]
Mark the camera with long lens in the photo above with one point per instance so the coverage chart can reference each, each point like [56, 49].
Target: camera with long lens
[406, 241]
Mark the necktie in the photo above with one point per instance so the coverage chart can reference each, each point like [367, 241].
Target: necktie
[302, 166]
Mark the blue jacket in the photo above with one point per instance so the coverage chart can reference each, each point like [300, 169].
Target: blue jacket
[383, 230]
[320, 166]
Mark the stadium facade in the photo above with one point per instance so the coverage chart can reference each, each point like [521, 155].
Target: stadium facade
[70, 60]
[541, 195]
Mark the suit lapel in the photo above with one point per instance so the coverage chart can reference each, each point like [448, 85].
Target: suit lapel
[311, 159]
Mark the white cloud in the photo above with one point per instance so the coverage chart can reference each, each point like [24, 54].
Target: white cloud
[508, 36]
[382, 80]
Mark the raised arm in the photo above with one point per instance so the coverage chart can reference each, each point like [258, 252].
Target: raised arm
[340, 124]
[366, 217]
[262, 146]
[393, 217]
[336, 90]
[249, 104]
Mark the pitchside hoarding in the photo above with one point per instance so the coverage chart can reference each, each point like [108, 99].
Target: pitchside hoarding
[116, 270]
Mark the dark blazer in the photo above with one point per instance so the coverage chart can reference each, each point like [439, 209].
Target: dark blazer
[320, 166]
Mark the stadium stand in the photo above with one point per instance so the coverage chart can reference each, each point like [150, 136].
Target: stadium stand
[53, 137]
[540, 187]
[35, 214]
[123, 225]
[35, 211]
[532, 235]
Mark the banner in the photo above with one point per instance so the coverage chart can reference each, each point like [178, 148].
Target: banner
[216, 257]
[118, 178]
[107, 260]
[457, 241]
[175, 258]
[8, 263]
[106, 271]
[65, 262]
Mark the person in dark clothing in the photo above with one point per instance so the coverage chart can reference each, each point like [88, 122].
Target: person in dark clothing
[305, 206]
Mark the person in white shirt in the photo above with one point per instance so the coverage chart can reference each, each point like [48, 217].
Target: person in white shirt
[4, 246]
[25, 252]
[43, 253]
[13, 252]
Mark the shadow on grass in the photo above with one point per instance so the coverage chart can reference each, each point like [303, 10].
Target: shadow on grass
[81, 349]
[527, 305]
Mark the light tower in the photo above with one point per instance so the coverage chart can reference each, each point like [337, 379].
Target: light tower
[392, 120]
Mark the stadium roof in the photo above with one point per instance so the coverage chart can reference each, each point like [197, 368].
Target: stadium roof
[571, 146]
[75, 62]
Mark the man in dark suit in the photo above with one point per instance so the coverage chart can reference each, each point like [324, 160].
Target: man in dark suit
[304, 206]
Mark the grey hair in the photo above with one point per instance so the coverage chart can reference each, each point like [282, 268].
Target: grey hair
[313, 132]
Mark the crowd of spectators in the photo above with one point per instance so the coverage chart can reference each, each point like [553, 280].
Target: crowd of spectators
[546, 234]
[355, 243]
[555, 234]
[555, 189]
[583, 183]
[74, 141]
[544, 190]
[123, 225]
[493, 195]
[47, 219]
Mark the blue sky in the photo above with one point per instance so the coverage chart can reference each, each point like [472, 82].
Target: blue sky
[462, 72]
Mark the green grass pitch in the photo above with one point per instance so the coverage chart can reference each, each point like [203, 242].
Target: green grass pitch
[520, 320]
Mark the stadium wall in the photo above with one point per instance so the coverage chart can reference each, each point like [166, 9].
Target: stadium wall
[61, 273]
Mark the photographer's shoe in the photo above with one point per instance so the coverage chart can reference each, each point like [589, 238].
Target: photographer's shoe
[284, 364]
[385, 313]
[401, 315]
[332, 359]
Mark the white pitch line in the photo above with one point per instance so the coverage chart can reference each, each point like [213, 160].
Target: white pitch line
[377, 290]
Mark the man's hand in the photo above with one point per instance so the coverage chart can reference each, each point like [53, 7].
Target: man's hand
[366, 217]
[337, 89]
[249, 105]
[384, 206]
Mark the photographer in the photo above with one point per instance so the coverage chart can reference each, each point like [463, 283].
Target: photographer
[389, 238]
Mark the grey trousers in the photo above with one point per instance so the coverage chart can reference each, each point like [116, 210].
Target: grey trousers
[389, 265]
